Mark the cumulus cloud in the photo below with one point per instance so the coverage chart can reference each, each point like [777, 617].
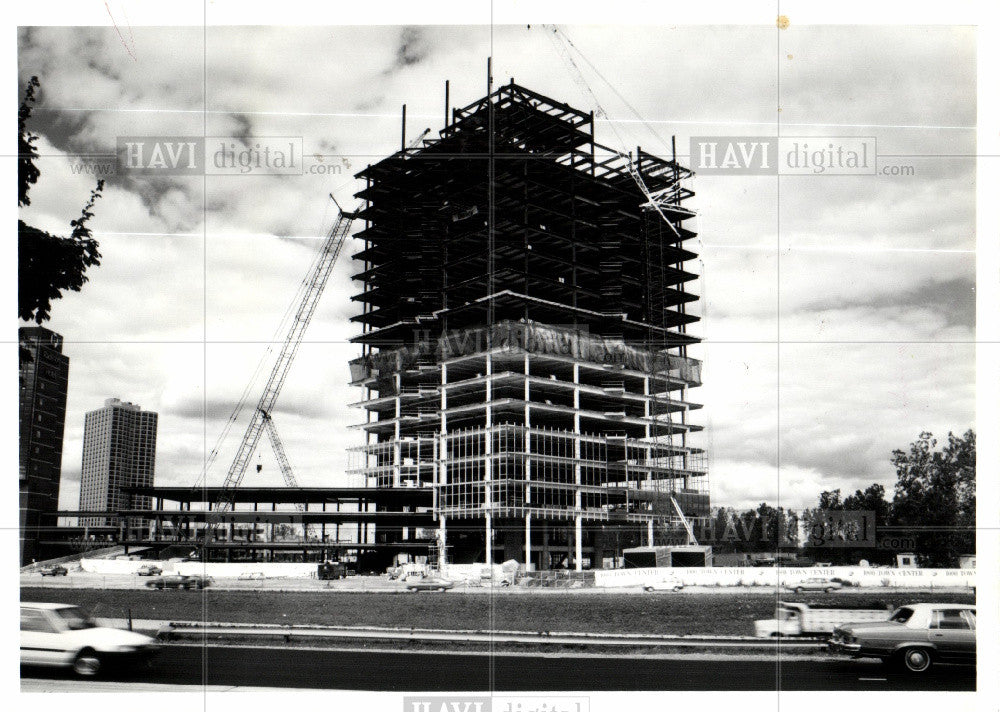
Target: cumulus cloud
[838, 310]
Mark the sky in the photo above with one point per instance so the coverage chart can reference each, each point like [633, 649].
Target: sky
[838, 311]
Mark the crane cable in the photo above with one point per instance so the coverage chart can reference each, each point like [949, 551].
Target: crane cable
[557, 34]
[558, 38]
[255, 376]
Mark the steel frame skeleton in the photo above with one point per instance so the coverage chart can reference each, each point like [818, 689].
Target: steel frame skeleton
[515, 218]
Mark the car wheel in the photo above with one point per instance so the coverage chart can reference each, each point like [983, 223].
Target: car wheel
[916, 659]
[86, 663]
[798, 589]
[828, 590]
[647, 588]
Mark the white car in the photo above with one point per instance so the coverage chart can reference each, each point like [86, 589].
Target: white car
[815, 584]
[666, 584]
[62, 635]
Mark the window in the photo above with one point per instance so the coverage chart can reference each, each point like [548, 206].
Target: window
[902, 615]
[35, 621]
[75, 619]
[949, 619]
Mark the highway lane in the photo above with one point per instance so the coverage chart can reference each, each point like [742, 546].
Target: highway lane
[460, 672]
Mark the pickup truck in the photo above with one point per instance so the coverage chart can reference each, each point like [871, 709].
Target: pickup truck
[799, 619]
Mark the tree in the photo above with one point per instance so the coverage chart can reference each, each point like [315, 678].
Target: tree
[27, 172]
[48, 265]
[872, 499]
[935, 497]
[830, 500]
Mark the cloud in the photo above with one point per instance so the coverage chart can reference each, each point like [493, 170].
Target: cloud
[413, 47]
[838, 312]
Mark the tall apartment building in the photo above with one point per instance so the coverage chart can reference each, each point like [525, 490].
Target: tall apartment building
[44, 376]
[524, 337]
[119, 450]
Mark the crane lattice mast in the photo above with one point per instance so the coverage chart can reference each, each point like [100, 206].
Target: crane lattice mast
[261, 419]
[315, 283]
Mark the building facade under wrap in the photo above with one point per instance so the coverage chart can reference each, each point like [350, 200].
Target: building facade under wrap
[524, 333]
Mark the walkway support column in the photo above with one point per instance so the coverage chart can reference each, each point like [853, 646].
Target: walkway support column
[578, 554]
[489, 539]
[442, 542]
[527, 541]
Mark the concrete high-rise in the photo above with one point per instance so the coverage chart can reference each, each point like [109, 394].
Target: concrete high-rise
[119, 451]
[44, 375]
[524, 337]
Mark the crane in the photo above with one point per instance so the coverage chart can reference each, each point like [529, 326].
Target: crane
[261, 420]
[691, 539]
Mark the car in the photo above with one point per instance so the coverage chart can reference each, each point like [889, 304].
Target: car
[252, 576]
[61, 634]
[915, 636]
[149, 570]
[665, 584]
[179, 581]
[816, 584]
[54, 570]
[429, 583]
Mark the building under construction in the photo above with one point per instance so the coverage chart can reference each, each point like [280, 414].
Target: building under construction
[524, 337]
[524, 363]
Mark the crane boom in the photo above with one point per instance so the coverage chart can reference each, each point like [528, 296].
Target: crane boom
[285, 467]
[279, 453]
[261, 419]
[685, 522]
[315, 283]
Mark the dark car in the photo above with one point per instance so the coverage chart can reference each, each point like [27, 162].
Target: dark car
[185, 582]
[915, 636]
[54, 571]
[429, 583]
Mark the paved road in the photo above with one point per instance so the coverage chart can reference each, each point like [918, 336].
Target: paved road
[399, 671]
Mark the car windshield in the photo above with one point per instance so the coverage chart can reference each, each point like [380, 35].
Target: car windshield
[902, 615]
[75, 619]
